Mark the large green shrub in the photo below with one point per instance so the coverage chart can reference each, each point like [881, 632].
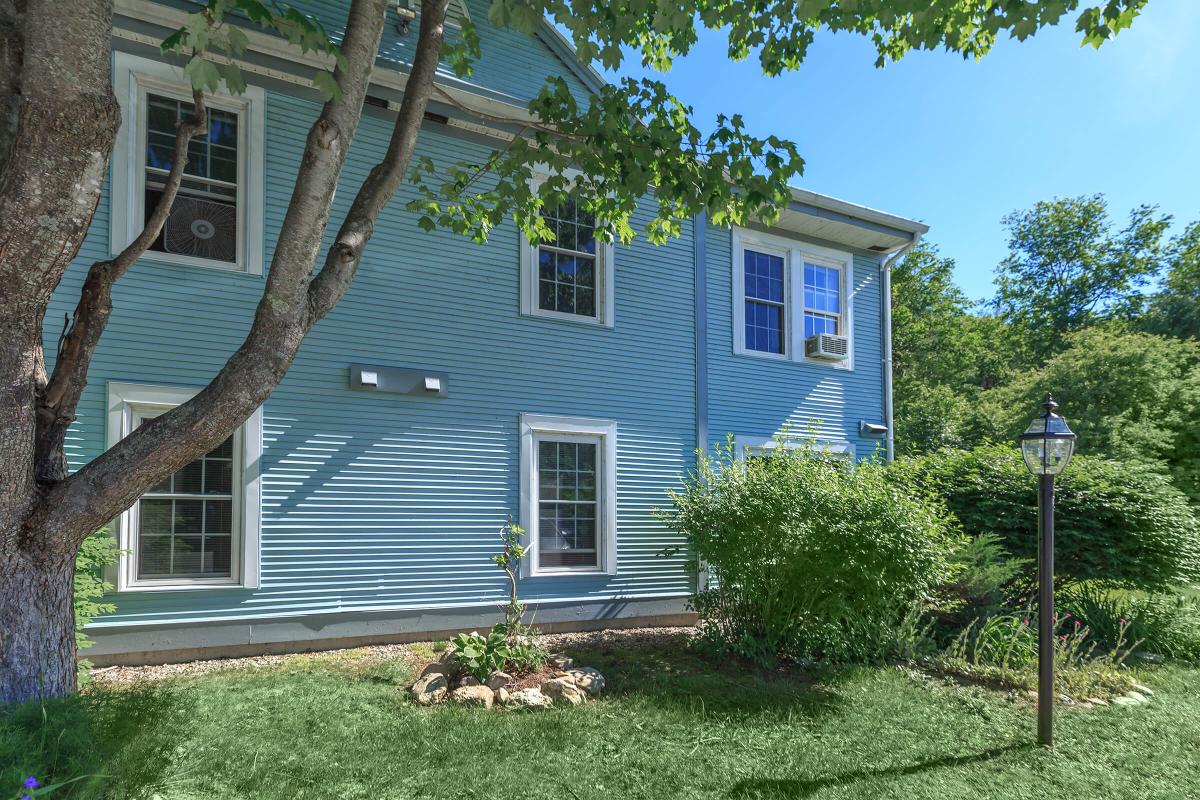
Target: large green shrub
[1118, 522]
[806, 557]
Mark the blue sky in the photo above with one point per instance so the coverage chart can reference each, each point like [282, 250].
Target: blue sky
[958, 144]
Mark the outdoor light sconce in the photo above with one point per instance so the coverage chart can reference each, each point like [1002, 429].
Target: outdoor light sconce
[871, 428]
[1047, 446]
[400, 380]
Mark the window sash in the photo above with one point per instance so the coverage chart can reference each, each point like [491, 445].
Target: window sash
[141, 575]
[570, 539]
[150, 179]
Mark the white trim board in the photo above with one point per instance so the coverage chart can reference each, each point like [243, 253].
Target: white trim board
[133, 76]
[532, 427]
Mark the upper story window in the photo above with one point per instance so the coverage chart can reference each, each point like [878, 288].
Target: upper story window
[568, 494]
[199, 527]
[216, 219]
[567, 263]
[791, 300]
[569, 276]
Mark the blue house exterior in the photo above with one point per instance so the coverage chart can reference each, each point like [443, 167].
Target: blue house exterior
[453, 386]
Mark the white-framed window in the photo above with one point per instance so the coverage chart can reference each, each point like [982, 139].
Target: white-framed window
[568, 494]
[570, 276]
[200, 526]
[786, 291]
[762, 446]
[216, 219]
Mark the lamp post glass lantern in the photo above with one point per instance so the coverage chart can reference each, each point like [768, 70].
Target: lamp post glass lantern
[1047, 446]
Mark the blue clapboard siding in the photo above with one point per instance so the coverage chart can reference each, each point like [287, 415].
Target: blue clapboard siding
[753, 396]
[384, 501]
[510, 63]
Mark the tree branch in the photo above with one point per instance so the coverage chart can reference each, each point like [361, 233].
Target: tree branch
[292, 301]
[57, 401]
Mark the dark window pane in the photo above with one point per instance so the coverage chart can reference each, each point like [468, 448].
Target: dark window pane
[217, 556]
[218, 516]
[154, 556]
[190, 479]
[188, 516]
[187, 557]
[585, 302]
[218, 477]
[155, 516]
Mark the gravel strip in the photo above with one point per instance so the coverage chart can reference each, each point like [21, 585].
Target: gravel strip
[360, 657]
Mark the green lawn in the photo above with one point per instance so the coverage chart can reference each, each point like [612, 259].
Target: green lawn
[672, 727]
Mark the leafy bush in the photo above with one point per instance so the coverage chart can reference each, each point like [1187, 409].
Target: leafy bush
[482, 655]
[807, 557]
[1118, 522]
[97, 552]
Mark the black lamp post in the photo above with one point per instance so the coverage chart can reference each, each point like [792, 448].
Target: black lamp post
[1047, 445]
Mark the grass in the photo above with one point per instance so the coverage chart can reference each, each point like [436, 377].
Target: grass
[673, 726]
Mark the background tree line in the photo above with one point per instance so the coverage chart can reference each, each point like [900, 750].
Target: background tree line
[1105, 315]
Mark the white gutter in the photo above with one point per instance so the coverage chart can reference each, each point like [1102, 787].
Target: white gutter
[885, 271]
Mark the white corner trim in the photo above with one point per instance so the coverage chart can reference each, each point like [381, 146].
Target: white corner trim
[132, 76]
[124, 401]
[794, 252]
[531, 426]
[605, 281]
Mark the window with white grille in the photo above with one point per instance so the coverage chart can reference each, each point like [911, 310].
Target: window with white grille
[217, 217]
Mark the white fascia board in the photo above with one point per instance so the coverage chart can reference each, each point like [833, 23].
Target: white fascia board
[514, 110]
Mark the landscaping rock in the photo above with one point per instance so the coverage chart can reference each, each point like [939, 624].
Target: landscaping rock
[561, 661]
[1097, 701]
[499, 679]
[1146, 690]
[588, 679]
[429, 690]
[563, 690]
[502, 696]
[436, 668]
[1137, 697]
[469, 680]
[528, 698]
[473, 695]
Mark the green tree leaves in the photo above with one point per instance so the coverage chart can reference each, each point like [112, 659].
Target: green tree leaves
[1067, 268]
[208, 32]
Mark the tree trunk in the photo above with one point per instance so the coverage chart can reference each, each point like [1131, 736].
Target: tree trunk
[37, 626]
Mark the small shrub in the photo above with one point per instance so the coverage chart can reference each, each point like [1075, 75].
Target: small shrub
[510, 645]
[807, 557]
[1117, 522]
[982, 583]
[481, 655]
[97, 552]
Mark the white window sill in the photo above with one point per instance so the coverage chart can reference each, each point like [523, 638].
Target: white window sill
[181, 586]
[783, 358]
[175, 260]
[575, 319]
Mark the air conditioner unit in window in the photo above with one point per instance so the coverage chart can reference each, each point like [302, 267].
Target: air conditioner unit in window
[201, 228]
[827, 347]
